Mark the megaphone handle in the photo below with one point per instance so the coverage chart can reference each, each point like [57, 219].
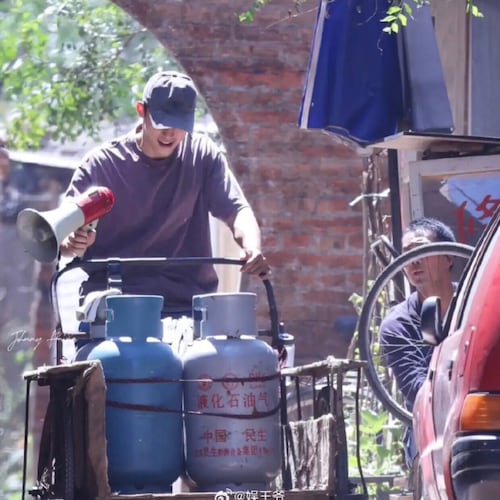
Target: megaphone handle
[90, 227]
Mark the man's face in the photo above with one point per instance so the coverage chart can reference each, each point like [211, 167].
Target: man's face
[430, 271]
[159, 143]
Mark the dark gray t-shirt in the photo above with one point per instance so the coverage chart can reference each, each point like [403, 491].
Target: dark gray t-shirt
[161, 210]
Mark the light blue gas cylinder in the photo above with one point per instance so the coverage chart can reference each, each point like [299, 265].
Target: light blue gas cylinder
[144, 396]
[231, 398]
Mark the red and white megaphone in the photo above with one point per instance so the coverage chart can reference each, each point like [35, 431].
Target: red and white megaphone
[42, 232]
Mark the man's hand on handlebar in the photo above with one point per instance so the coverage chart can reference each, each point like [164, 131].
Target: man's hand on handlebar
[255, 263]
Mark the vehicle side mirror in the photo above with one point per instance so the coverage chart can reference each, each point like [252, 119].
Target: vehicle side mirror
[430, 317]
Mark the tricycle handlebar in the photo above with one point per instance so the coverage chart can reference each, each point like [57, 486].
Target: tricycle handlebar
[114, 265]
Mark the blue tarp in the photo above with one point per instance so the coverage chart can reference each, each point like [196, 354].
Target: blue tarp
[358, 82]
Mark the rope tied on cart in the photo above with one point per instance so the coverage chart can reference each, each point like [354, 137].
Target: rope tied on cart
[242, 380]
[158, 409]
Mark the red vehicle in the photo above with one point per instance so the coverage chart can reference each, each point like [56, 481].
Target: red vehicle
[456, 416]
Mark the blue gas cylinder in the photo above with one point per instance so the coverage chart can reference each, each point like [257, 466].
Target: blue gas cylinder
[144, 428]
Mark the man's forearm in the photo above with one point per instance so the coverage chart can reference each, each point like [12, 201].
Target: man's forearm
[245, 229]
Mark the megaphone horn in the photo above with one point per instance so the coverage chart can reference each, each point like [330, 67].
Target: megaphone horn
[41, 233]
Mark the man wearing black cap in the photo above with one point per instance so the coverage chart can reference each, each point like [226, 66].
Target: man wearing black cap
[166, 181]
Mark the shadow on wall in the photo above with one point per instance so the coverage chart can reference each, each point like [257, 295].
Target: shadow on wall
[343, 330]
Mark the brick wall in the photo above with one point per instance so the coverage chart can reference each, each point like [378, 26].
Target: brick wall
[299, 182]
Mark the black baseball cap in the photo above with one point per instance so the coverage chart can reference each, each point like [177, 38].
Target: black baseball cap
[171, 100]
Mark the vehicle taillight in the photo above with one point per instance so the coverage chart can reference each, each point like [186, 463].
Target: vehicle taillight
[480, 411]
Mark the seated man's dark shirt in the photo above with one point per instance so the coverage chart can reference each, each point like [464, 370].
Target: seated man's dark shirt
[404, 348]
[405, 352]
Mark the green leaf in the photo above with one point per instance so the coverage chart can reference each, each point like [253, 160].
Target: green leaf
[373, 422]
[246, 17]
[388, 19]
[408, 8]
[476, 12]
[68, 65]
[395, 9]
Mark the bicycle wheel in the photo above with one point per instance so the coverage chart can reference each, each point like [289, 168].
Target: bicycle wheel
[390, 288]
